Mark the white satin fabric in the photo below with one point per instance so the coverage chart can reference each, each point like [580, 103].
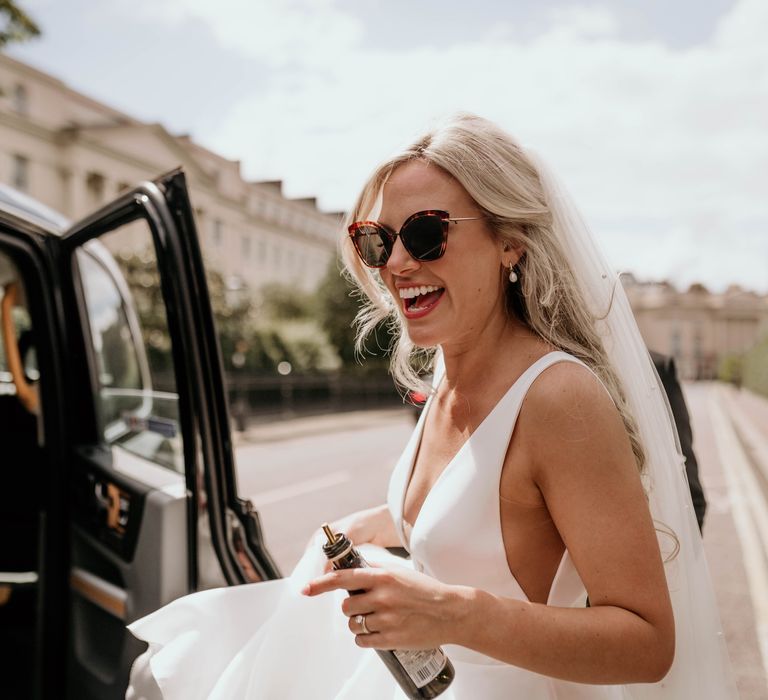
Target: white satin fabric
[259, 641]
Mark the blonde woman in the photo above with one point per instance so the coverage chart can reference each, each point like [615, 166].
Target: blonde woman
[542, 497]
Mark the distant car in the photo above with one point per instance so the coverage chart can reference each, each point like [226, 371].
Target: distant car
[417, 399]
[118, 489]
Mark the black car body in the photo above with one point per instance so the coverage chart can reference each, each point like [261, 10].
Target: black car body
[120, 494]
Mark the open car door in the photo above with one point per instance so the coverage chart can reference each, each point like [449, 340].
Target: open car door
[153, 512]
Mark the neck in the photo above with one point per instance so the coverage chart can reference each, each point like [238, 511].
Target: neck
[471, 363]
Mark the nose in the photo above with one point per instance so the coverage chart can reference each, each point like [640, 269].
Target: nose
[400, 261]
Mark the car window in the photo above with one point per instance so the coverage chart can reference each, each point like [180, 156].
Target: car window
[137, 397]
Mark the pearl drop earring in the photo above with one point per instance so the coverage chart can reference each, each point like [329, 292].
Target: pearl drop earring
[512, 274]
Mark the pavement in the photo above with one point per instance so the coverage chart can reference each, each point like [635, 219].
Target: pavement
[730, 429]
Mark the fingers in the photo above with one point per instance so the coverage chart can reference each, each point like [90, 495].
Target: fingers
[368, 632]
[347, 579]
[361, 604]
[364, 624]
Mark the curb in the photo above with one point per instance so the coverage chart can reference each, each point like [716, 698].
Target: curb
[292, 428]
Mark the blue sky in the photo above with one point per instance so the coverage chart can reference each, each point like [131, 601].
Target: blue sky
[653, 113]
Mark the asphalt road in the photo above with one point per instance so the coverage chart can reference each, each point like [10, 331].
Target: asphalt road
[300, 473]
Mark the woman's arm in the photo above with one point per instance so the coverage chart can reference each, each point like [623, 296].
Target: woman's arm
[25, 392]
[574, 442]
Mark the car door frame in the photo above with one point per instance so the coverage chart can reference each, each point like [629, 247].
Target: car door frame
[197, 357]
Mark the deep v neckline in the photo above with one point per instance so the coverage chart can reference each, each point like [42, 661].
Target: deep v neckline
[420, 435]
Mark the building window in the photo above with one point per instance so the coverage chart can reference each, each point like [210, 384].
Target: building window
[94, 183]
[20, 101]
[20, 175]
[217, 233]
[246, 246]
[262, 251]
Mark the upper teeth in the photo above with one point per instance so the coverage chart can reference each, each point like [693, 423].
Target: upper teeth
[410, 292]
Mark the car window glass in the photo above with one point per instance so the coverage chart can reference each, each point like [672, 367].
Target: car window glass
[137, 396]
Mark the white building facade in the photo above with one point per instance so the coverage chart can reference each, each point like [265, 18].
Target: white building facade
[75, 154]
[697, 327]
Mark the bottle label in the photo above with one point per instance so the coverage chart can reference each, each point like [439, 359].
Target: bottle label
[422, 665]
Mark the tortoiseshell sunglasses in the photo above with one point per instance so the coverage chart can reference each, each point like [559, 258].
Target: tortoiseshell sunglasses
[424, 235]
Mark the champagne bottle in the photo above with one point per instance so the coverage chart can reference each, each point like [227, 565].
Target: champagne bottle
[421, 673]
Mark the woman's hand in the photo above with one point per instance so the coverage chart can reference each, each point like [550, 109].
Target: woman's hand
[403, 609]
[371, 526]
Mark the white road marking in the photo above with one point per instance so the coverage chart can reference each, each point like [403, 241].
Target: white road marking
[750, 514]
[285, 493]
[755, 439]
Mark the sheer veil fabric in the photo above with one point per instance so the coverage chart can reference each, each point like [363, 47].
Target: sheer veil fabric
[265, 640]
[701, 668]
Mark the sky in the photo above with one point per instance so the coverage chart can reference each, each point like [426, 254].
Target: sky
[654, 114]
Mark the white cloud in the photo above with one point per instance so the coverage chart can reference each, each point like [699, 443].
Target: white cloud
[278, 32]
[665, 149]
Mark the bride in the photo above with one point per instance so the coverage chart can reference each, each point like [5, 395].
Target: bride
[542, 497]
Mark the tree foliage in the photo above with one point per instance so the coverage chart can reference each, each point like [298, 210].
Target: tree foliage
[255, 334]
[748, 369]
[15, 24]
[278, 301]
[755, 368]
[337, 305]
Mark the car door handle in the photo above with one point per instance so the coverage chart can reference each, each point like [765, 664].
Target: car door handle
[101, 593]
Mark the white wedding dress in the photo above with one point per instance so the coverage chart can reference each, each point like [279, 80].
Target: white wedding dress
[266, 641]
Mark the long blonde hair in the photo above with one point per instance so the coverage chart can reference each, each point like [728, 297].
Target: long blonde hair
[506, 186]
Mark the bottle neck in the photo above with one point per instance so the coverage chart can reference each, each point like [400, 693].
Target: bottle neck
[344, 551]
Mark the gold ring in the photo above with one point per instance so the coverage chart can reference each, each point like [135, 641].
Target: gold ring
[360, 620]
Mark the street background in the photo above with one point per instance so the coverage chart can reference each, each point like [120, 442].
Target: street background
[301, 472]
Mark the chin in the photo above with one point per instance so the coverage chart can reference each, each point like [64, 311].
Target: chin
[423, 337]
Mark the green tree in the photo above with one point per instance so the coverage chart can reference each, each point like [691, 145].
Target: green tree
[234, 314]
[730, 369]
[15, 24]
[755, 367]
[254, 337]
[279, 301]
[337, 305]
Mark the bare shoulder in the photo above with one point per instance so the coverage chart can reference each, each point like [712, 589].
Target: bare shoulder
[568, 414]
[566, 391]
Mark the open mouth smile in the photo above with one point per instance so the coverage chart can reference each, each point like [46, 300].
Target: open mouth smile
[419, 301]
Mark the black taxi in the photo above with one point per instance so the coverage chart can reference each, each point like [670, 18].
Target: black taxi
[118, 488]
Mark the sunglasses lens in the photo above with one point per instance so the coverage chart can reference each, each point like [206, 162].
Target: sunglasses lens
[424, 237]
[373, 245]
